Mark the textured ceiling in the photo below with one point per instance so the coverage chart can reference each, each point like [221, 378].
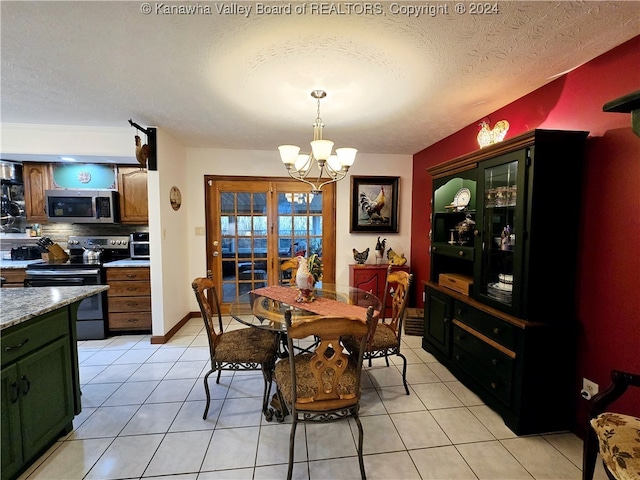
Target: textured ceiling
[396, 83]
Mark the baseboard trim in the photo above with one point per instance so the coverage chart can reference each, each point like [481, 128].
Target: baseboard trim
[160, 339]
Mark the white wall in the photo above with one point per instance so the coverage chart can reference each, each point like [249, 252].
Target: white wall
[170, 279]
[209, 161]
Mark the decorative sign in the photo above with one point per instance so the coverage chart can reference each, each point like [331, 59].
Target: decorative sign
[84, 175]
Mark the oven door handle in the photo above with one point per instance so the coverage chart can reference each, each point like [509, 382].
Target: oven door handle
[51, 273]
[54, 282]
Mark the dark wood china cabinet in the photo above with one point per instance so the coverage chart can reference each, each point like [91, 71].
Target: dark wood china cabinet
[500, 301]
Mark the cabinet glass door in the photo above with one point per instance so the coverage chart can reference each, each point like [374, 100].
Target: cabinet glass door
[502, 225]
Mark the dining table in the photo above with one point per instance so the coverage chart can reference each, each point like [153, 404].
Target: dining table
[264, 307]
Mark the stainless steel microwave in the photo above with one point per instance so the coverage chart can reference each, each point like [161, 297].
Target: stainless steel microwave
[139, 246]
[83, 206]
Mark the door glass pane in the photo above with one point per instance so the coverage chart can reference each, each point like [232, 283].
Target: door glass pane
[500, 198]
[299, 226]
[243, 243]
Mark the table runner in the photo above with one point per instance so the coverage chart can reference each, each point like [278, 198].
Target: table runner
[321, 306]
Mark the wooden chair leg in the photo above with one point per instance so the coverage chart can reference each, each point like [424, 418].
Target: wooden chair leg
[590, 455]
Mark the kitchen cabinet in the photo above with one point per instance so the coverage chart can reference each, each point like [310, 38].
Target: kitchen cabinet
[37, 179]
[40, 392]
[372, 278]
[500, 302]
[14, 277]
[129, 299]
[134, 203]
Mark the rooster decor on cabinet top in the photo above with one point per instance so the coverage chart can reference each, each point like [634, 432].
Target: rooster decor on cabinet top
[360, 257]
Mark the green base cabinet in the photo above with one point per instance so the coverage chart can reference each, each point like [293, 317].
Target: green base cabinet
[39, 387]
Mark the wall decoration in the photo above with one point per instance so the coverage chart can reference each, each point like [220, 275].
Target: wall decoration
[374, 204]
[175, 197]
[84, 175]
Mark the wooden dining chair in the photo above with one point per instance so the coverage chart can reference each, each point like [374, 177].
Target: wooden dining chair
[248, 348]
[322, 385]
[615, 435]
[386, 335]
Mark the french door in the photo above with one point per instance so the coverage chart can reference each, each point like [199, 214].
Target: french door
[254, 224]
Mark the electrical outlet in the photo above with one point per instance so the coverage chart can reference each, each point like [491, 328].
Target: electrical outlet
[589, 388]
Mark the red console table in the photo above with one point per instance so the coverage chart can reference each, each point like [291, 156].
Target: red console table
[372, 278]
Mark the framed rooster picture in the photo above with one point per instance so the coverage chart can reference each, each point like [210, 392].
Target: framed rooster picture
[374, 204]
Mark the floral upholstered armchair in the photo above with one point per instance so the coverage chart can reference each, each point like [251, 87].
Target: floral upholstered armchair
[615, 435]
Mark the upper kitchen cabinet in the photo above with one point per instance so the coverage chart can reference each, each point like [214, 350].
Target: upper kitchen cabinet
[134, 204]
[37, 179]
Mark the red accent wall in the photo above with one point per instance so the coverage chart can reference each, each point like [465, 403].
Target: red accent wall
[608, 286]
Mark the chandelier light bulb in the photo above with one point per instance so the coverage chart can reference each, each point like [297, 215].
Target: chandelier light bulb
[289, 154]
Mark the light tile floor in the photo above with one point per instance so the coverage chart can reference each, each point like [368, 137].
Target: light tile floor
[142, 418]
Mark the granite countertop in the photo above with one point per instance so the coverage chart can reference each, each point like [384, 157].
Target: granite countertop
[22, 304]
[14, 264]
[128, 262]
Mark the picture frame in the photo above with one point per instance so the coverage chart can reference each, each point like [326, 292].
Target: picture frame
[365, 216]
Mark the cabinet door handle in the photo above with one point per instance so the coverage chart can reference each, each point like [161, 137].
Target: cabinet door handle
[494, 385]
[132, 304]
[461, 253]
[496, 330]
[26, 384]
[15, 392]
[445, 320]
[133, 320]
[16, 347]
[132, 289]
[131, 275]
[458, 357]
[494, 361]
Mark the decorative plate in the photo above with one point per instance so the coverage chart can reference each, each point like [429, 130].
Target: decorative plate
[462, 198]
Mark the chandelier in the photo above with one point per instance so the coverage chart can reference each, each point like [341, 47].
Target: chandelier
[335, 166]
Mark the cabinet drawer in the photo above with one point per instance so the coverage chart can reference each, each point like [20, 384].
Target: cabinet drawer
[33, 335]
[491, 358]
[14, 277]
[129, 304]
[129, 289]
[494, 328]
[130, 274]
[489, 379]
[130, 321]
[456, 251]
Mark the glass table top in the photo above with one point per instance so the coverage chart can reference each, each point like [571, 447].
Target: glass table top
[264, 308]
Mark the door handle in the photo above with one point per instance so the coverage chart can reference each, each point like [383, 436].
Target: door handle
[26, 384]
[15, 391]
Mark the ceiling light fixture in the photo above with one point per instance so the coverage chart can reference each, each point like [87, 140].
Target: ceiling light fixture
[335, 165]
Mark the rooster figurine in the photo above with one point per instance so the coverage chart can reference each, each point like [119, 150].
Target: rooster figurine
[142, 152]
[380, 250]
[304, 282]
[395, 259]
[360, 257]
[373, 207]
[488, 136]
